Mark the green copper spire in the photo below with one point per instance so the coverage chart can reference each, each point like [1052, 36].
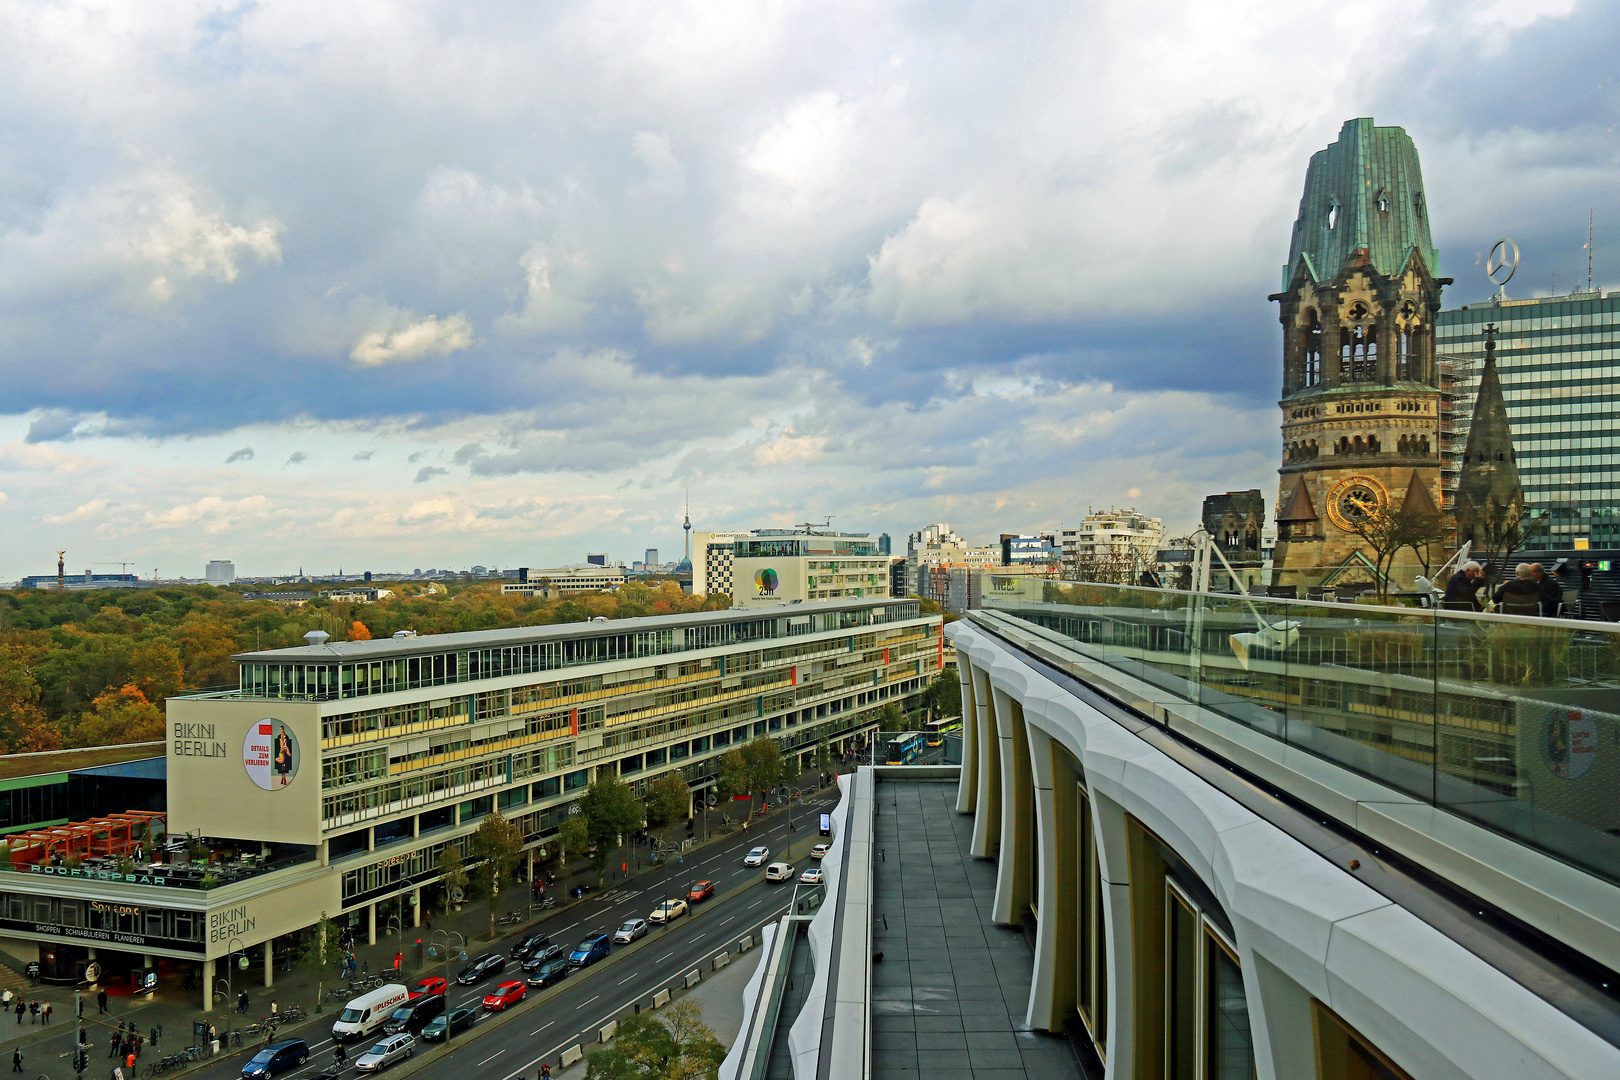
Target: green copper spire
[1365, 192]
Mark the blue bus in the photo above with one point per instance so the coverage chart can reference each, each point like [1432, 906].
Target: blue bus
[906, 748]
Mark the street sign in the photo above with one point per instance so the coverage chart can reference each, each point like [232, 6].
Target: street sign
[32, 969]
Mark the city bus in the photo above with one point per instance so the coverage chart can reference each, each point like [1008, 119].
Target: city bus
[906, 748]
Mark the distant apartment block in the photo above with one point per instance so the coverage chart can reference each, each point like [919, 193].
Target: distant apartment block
[219, 572]
[566, 579]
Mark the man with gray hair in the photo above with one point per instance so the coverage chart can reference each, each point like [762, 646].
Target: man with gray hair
[1462, 591]
[1521, 595]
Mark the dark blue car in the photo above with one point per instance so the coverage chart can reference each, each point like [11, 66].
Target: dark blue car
[591, 950]
[276, 1058]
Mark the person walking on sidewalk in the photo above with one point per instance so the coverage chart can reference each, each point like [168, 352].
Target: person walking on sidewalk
[16, 1060]
[45, 1013]
[101, 1000]
[545, 1071]
[117, 1039]
[33, 1011]
[19, 1008]
[5, 1000]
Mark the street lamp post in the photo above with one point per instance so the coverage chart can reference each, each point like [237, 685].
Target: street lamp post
[231, 949]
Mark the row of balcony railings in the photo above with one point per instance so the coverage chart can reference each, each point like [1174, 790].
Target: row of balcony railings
[1510, 722]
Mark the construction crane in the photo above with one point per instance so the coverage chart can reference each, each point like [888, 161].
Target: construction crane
[810, 526]
[123, 567]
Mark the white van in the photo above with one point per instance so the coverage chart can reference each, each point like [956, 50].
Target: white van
[369, 1011]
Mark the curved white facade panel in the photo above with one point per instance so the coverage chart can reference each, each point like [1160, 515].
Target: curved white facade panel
[1204, 933]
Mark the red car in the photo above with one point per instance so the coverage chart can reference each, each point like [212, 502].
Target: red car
[508, 993]
[700, 890]
[430, 986]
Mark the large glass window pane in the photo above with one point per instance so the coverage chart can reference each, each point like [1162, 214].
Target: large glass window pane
[1181, 988]
[1230, 1049]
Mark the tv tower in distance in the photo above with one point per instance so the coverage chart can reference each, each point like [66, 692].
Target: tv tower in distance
[686, 524]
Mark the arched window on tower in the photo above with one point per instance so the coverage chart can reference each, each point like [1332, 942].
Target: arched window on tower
[1312, 348]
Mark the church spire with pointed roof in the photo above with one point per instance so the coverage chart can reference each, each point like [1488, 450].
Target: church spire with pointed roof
[1490, 498]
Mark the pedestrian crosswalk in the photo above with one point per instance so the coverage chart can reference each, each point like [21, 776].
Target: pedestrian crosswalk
[621, 894]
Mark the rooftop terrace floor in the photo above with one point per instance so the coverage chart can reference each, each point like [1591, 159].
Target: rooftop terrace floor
[949, 997]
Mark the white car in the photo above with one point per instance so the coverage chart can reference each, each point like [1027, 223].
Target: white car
[779, 871]
[387, 1052]
[820, 851]
[668, 911]
[756, 856]
[811, 876]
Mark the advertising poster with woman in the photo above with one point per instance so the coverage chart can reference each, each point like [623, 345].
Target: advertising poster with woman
[270, 754]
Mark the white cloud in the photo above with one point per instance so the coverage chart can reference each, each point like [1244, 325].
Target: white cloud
[212, 514]
[90, 511]
[154, 230]
[431, 336]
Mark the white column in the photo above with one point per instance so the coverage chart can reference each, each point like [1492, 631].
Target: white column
[371, 924]
[416, 907]
[967, 785]
[269, 963]
[1051, 986]
[987, 797]
[1013, 869]
[208, 986]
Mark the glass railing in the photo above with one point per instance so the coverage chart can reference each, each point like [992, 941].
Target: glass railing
[1513, 723]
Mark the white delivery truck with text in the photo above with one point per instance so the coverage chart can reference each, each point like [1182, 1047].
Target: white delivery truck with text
[368, 1012]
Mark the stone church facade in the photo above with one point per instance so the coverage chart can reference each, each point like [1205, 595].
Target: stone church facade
[1361, 395]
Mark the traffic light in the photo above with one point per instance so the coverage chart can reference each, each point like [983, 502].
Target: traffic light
[81, 1061]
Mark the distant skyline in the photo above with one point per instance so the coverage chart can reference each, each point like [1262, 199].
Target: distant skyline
[284, 284]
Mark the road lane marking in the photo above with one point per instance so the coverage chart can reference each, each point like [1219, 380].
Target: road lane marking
[661, 959]
[492, 1057]
[543, 1027]
[586, 1002]
[626, 979]
[700, 937]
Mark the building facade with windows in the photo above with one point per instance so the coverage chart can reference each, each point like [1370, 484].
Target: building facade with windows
[778, 566]
[711, 562]
[1558, 359]
[566, 579]
[335, 776]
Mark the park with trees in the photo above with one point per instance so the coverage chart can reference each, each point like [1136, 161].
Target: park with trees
[93, 667]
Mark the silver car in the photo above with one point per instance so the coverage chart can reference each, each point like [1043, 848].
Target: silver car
[393, 1049]
[630, 931]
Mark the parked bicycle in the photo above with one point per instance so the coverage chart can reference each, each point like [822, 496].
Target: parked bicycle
[511, 918]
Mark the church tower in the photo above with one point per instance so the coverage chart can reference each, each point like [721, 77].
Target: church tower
[1490, 499]
[1361, 393]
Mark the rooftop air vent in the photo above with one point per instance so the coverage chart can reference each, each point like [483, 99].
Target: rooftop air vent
[317, 637]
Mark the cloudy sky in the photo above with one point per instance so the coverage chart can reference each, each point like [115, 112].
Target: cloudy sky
[395, 285]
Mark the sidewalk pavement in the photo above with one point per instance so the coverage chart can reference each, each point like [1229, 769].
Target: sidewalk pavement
[173, 1010]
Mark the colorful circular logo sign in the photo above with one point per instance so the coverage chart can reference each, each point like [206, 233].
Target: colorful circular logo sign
[766, 581]
[270, 754]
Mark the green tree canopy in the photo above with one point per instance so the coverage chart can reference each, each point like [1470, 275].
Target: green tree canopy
[944, 695]
[764, 757]
[610, 811]
[68, 649]
[671, 1045]
[668, 802]
[452, 874]
[495, 847]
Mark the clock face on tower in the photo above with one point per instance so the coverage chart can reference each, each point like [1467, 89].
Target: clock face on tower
[1354, 499]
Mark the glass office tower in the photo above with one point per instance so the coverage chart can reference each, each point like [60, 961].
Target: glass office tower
[1559, 358]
